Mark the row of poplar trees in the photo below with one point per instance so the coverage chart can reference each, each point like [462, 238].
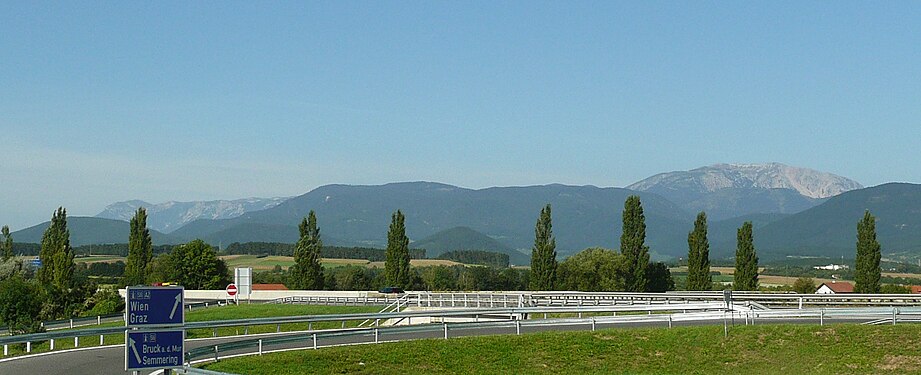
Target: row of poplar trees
[307, 272]
[632, 247]
[699, 277]
[636, 254]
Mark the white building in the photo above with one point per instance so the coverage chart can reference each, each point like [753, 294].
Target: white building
[835, 288]
[832, 267]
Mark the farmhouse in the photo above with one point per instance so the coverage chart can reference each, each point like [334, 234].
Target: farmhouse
[835, 288]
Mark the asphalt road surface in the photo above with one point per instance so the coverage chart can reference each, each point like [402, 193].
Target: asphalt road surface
[112, 360]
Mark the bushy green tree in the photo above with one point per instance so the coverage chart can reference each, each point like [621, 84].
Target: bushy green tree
[140, 249]
[6, 246]
[746, 272]
[804, 285]
[543, 254]
[20, 305]
[105, 301]
[56, 254]
[396, 267]
[194, 265]
[867, 272]
[660, 278]
[592, 270]
[438, 278]
[633, 245]
[894, 289]
[307, 272]
[699, 256]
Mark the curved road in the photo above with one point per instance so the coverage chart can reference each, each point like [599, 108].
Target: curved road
[111, 360]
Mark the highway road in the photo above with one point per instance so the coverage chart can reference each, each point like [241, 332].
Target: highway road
[111, 360]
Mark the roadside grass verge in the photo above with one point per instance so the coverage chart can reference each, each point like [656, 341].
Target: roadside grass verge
[244, 311]
[761, 349]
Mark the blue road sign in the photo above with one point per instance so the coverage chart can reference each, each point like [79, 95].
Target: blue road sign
[155, 306]
[154, 349]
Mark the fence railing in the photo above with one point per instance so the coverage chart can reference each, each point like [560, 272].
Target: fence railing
[523, 299]
[311, 340]
[51, 325]
[407, 316]
[510, 304]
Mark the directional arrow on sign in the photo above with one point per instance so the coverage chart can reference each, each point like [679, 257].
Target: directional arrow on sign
[175, 305]
[134, 349]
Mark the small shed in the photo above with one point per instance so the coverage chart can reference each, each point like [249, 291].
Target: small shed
[835, 288]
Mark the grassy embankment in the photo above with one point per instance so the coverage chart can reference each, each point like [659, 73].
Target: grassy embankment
[243, 311]
[762, 349]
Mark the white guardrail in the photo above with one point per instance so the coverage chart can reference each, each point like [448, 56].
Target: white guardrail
[520, 306]
[524, 299]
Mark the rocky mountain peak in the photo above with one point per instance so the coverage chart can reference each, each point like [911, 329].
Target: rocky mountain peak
[807, 182]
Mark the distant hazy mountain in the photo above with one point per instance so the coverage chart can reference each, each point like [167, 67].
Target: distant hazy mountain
[831, 228]
[584, 216]
[90, 230]
[463, 238]
[169, 216]
[731, 190]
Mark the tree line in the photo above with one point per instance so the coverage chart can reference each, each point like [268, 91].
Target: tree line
[599, 269]
[338, 252]
[478, 257]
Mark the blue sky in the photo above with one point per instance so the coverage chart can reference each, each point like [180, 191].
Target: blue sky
[109, 101]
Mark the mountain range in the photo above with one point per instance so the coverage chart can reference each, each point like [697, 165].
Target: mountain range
[731, 190]
[169, 216]
[443, 217]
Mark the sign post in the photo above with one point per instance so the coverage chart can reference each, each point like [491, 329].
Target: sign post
[150, 312]
[232, 291]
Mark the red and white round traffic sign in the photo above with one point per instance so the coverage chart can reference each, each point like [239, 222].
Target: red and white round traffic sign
[231, 290]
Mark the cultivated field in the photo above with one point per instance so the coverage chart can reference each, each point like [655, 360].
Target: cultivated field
[99, 259]
[765, 280]
[269, 262]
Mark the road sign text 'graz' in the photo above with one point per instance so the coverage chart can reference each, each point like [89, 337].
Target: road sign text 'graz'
[149, 306]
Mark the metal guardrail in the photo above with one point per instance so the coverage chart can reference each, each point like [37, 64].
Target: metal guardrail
[476, 314]
[481, 304]
[310, 340]
[71, 323]
[523, 299]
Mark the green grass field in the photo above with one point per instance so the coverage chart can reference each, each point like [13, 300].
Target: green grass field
[762, 349]
[269, 262]
[99, 259]
[243, 311]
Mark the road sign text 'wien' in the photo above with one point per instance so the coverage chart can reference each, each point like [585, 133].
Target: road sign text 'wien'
[155, 306]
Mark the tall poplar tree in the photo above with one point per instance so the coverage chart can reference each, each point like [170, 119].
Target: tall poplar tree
[140, 249]
[867, 273]
[396, 266]
[633, 245]
[56, 255]
[543, 254]
[7, 244]
[699, 256]
[746, 273]
[307, 272]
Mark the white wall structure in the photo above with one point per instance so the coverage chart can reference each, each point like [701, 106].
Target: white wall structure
[243, 279]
